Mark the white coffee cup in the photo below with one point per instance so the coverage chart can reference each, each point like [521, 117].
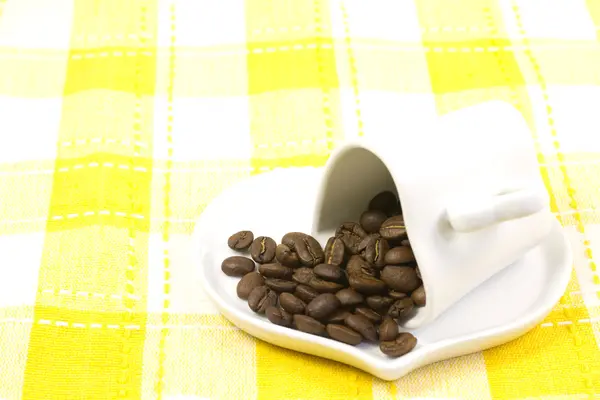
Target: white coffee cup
[472, 196]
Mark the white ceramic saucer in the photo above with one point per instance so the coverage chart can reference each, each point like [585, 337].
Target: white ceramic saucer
[503, 308]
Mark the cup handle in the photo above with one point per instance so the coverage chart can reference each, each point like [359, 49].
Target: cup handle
[478, 212]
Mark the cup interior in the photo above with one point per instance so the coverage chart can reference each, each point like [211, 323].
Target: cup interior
[353, 177]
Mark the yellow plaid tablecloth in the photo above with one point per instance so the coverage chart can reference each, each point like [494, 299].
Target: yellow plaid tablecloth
[121, 119]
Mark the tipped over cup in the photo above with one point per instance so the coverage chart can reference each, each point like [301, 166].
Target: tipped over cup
[471, 194]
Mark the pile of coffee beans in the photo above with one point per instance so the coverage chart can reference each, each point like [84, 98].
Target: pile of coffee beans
[354, 289]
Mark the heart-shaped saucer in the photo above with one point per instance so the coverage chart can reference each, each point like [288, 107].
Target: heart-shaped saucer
[501, 309]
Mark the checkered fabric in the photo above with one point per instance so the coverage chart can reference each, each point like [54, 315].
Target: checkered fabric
[120, 120]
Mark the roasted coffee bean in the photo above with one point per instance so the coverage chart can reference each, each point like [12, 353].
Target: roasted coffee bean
[261, 298]
[359, 267]
[396, 295]
[386, 202]
[323, 306]
[388, 330]
[279, 316]
[308, 249]
[375, 251]
[400, 346]
[343, 334]
[399, 255]
[329, 272]
[418, 272]
[248, 283]
[371, 220]
[307, 324]
[405, 242]
[237, 266]
[367, 284]
[403, 279]
[323, 286]
[335, 251]
[418, 296]
[276, 270]
[365, 242]
[362, 325]
[240, 240]
[366, 312]
[303, 275]
[349, 297]
[291, 303]
[351, 234]
[262, 249]
[380, 303]
[280, 285]
[338, 316]
[401, 308]
[286, 257]
[305, 293]
[393, 228]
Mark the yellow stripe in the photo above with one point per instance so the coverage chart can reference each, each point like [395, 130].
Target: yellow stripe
[96, 345]
[293, 84]
[295, 101]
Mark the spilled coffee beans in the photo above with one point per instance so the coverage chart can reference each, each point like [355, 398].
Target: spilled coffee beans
[356, 288]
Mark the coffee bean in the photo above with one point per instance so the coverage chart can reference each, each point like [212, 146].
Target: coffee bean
[399, 255]
[291, 303]
[303, 275]
[400, 346]
[375, 251]
[237, 266]
[363, 325]
[286, 257]
[357, 266]
[380, 303]
[393, 228]
[403, 279]
[262, 249]
[334, 251]
[261, 298]
[349, 297]
[248, 283]
[280, 285]
[388, 330]
[323, 306]
[371, 220]
[401, 308]
[329, 272]
[276, 270]
[367, 284]
[405, 242]
[386, 202]
[307, 324]
[308, 249]
[369, 314]
[323, 286]
[418, 296]
[338, 316]
[343, 334]
[396, 295]
[305, 293]
[279, 316]
[240, 240]
[351, 234]
[418, 272]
